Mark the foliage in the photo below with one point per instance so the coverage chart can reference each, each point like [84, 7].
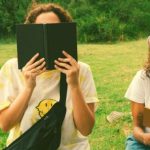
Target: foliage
[103, 20]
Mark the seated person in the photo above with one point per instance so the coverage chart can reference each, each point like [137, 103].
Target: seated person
[139, 94]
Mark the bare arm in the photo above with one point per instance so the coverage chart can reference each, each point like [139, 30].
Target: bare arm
[14, 113]
[137, 113]
[83, 113]
[138, 129]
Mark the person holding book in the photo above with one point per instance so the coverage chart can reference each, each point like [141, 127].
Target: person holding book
[139, 94]
[27, 95]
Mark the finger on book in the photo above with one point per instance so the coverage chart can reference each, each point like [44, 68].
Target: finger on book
[33, 59]
[37, 63]
[60, 69]
[63, 65]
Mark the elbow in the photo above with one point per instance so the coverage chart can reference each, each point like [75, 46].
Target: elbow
[5, 122]
[86, 132]
[4, 126]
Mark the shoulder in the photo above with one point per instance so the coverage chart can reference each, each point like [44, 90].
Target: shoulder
[83, 66]
[136, 90]
[85, 72]
[11, 62]
[140, 79]
[141, 75]
[11, 65]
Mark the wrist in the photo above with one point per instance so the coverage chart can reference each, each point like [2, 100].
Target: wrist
[75, 87]
[28, 89]
[146, 138]
[139, 134]
[30, 86]
[143, 138]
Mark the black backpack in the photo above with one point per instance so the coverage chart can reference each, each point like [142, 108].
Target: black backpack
[46, 133]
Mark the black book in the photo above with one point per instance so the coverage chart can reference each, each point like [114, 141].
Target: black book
[49, 40]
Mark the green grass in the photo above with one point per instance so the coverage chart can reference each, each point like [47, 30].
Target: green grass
[113, 66]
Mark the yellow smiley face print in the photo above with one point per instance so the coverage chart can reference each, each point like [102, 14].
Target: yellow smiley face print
[44, 106]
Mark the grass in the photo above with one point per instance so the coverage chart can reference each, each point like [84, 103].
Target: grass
[113, 67]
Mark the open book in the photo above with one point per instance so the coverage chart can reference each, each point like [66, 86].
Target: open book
[146, 117]
[49, 40]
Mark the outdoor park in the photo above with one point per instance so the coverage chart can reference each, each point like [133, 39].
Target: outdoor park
[112, 39]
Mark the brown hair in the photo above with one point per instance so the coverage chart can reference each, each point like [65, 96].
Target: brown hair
[37, 8]
[147, 64]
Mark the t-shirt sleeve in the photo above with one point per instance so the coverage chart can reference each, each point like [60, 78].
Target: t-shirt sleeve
[7, 93]
[135, 91]
[88, 85]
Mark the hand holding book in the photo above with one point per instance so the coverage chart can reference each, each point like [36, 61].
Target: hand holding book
[32, 69]
[46, 39]
[70, 67]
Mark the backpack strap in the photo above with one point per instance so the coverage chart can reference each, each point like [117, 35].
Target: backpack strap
[63, 89]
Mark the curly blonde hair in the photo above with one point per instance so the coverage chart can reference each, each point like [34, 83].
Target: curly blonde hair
[147, 64]
[38, 8]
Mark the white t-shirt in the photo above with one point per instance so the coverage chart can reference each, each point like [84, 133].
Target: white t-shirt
[45, 94]
[139, 90]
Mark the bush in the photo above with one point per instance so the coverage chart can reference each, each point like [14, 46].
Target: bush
[97, 21]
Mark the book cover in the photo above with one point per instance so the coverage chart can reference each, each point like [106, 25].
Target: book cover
[49, 40]
[146, 117]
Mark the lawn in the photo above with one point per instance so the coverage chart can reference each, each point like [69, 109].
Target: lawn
[113, 66]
